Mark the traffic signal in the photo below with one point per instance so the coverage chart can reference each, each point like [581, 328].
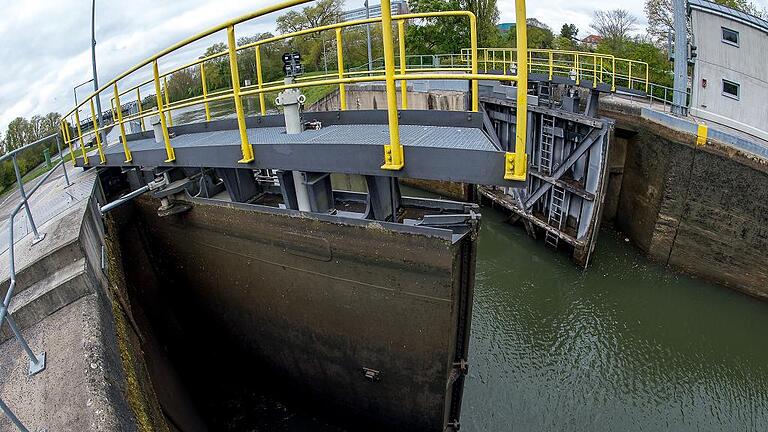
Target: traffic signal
[292, 64]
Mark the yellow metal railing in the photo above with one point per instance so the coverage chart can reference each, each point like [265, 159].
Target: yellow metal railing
[515, 165]
[580, 66]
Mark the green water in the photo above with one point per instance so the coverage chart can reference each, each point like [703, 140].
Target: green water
[623, 346]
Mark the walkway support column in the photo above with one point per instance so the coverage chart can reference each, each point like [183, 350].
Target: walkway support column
[516, 163]
[393, 152]
[245, 145]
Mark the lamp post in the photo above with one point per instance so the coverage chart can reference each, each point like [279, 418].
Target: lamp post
[93, 61]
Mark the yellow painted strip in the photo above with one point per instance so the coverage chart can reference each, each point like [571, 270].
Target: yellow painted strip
[138, 102]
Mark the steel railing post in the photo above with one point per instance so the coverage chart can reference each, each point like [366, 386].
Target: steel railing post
[393, 152]
[340, 61]
[97, 133]
[80, 137]
[138, 104]
[401, 44]
[260, 81]
[128, 157]
[61, 157]
[516, 163]
[36, 362]
[24, 200]
[170, 153]
[12, 417]
[473, 67]
[204, 83]
[246, 147]
[167, 101]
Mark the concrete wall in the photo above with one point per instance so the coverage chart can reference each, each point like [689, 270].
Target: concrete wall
[703, 210]
[745, 64]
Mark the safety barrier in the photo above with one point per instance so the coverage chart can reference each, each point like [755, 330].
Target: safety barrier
[36, 361]
[577, 65]
[515, 161]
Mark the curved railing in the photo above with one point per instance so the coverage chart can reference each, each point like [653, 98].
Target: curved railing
[577, 65]
[392, 72]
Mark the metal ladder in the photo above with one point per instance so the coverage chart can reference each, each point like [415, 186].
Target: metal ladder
[547, 144]
[545, 94]
[557, 212]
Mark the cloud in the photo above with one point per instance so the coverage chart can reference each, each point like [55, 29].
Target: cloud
[46, 44]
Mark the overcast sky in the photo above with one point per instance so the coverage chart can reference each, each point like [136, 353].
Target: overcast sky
[45, 51]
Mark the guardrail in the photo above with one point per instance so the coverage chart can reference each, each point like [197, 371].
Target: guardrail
[515, 162]
[576, 65]
[36, 361]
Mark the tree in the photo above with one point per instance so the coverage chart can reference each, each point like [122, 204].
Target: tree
[487, 14]
[569, 31]
[311, 46]
[660, 14]
[615, 24]
[436, 35]
[19, 133]
[539, 35]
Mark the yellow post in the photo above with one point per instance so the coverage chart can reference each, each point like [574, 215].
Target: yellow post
[167, 101]
[630, 75]
[701, 134]
[551, 65]
[516, 164]
[260, 81]
[67, 140]
[138, 102]
[473, 47]
[160, 111]
[485, 59]
[340, 61]
[80, 136]
[127, 152]
[601, 68]
[102, 158]
[393, 152]
[594, 71]
[205, 91]
[613, 78]
[576, 67]
[245, 145]
[647, 77]
[504, 61]
[403, 83]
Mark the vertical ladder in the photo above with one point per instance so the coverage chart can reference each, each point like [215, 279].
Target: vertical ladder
[547, 144]
[557, 214]
[545, 93]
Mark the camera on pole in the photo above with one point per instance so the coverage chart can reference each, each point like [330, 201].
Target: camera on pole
[292, 64]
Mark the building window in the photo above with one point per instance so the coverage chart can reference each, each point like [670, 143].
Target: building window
[731, 89]
[731, 37]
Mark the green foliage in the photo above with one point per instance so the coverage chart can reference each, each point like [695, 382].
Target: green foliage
[569, 31]
[540, 36]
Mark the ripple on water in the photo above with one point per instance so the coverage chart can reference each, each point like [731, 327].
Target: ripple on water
[624, 345]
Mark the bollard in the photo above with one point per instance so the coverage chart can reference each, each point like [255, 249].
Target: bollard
[47, 156]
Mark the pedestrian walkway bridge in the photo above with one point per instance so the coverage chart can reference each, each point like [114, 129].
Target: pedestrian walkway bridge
[403, 143]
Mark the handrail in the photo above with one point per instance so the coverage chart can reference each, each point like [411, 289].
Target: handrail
[393, 152]
[578, 65]
[36, 361]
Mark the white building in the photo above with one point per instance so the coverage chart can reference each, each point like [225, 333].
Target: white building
[730, 77]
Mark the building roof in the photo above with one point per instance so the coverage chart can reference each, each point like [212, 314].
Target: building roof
[724, 11]
[592, 39]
